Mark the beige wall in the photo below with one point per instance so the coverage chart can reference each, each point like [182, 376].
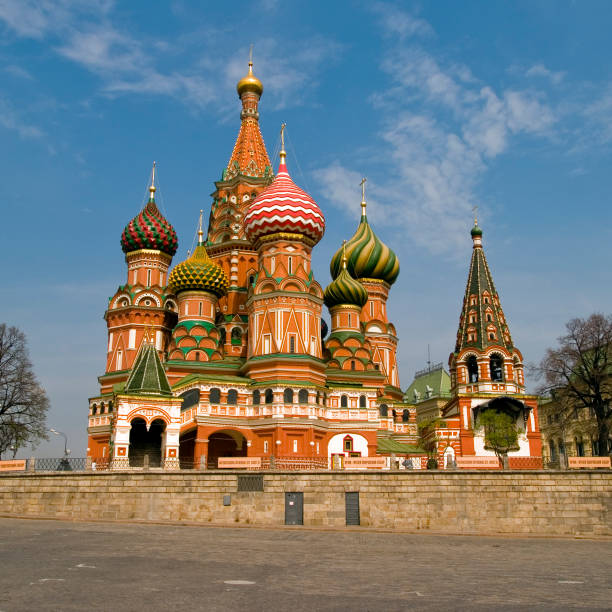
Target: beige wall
[551, 503]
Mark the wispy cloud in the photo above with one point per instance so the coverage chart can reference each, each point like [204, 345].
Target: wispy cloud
[12, 120]
[539, 70]
[441, 127]
[18, 72]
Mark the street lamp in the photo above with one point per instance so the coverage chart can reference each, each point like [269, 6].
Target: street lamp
[64, 463]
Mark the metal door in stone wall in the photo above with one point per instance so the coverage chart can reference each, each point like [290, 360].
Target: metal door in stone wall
[294, 508]
[352, 507]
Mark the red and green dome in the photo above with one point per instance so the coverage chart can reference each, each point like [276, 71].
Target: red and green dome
[149, 230]
[199, 273]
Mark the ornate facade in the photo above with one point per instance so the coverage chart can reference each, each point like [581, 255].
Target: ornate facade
[227, 353]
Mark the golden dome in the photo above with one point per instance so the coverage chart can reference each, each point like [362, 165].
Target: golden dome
[249, 83]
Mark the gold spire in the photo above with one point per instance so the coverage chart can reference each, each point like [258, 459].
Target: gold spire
[283, 153]
[475, 211]
[152, 187]
[363, 199]
[200, 232]
[250, 82]
[344, 254]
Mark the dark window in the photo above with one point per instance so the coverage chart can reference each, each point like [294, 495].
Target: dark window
[352, 364]
[288, 396]
[292, 344]
[94, 409]
[384, 410]
[256, 397]
[214, 396]
[197, 356]
[269, 397]
[222, 335]
[405, 415]
[362, 401]
[553, 451]
[190, 398]
[236, 336]
[110, 406]
[348, 444]
[496, 363]
[472, 366]
[344, 401]
[303, 396]
[232, 397]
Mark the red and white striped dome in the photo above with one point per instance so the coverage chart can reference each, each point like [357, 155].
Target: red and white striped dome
[284, 207]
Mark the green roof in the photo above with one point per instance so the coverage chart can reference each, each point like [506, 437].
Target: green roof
[147, 376]
[427, 384]
[388, 445]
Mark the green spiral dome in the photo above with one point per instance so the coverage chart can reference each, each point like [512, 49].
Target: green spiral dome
[344, 289]
[367, 256]
[199, 273]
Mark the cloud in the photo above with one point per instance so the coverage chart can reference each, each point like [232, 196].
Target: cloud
[396, 22]
[599, 114]
[12, 120]
[539, 70]
[18, 72]
[440, 129]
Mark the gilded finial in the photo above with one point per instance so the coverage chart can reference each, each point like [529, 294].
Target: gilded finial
[344, 254]
[363, 198]
[283, 153]
[200, 232]
[250, 83]
[251, 59]
[152, 187]
[475, 211]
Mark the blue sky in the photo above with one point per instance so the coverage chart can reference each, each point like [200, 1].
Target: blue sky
[442, 105]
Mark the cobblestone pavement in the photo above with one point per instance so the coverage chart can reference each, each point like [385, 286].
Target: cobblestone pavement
[57, 565]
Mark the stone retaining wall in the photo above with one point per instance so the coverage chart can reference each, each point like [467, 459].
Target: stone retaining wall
[543, 503]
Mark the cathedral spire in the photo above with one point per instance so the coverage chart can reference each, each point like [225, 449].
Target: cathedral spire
[482, 323]
[152, 188]
[249, 157]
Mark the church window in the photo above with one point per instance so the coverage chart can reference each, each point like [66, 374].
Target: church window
[491, 335]
[251, 280]
[371, 309]
[496, 363]
[269, 396]
[485, 299]
[472, 318]
[344, 401]
[292, 344]
[236, 336]
[232, 397]
[119, 360]
[148, 278]
[267, 342]
[303, 396]
[265, 446]
[256, 397]
[147, 302]
[295, 446]
[197, 355]
[348, 444]
[272, 264]
[288, 396]
[352, 364]
[384, 410]
[110, 406]
[132, 339]
[405, 415]
[214, 396]
[94, 410]
[110, 342]
[290, 265]
[350, 318]
[362, 401]
[472, 366]
[489, 317]
[200, 309]
[473, 300]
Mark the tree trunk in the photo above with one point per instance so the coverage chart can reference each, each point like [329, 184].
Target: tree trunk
[602, 438]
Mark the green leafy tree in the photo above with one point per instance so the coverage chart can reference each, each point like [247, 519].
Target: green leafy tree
[578, 374]
[23, 401]
[501, 434]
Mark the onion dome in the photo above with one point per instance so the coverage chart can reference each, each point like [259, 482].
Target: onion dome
[149, 229]
[344, 289]
[250, 82]
[476, 231]
[199, 272]
[284, 207]
[367, 256]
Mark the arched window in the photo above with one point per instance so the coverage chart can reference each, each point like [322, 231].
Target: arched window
[405, 415]
[472, 367]
[384, 410]
[256, 397]
[94, 410]
[343, 401]
[347, 445]
[496, 364]
[232, 397]
[553, 450]
[269, 396]
[352, 364]
[318, 397]
[362, 401]
[303, 396]
[110, 406]
[236, 336]
[288, 396]
[197, 356]
[214, 396]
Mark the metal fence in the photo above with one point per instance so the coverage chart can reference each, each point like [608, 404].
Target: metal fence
[55, 464]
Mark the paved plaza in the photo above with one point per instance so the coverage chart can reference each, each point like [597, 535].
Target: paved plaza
[57, 565]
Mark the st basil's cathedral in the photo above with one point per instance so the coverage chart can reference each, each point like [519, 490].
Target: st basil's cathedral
[227, 354]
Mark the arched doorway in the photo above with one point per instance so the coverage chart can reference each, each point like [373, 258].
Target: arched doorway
[227, 443]
[145, 441]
